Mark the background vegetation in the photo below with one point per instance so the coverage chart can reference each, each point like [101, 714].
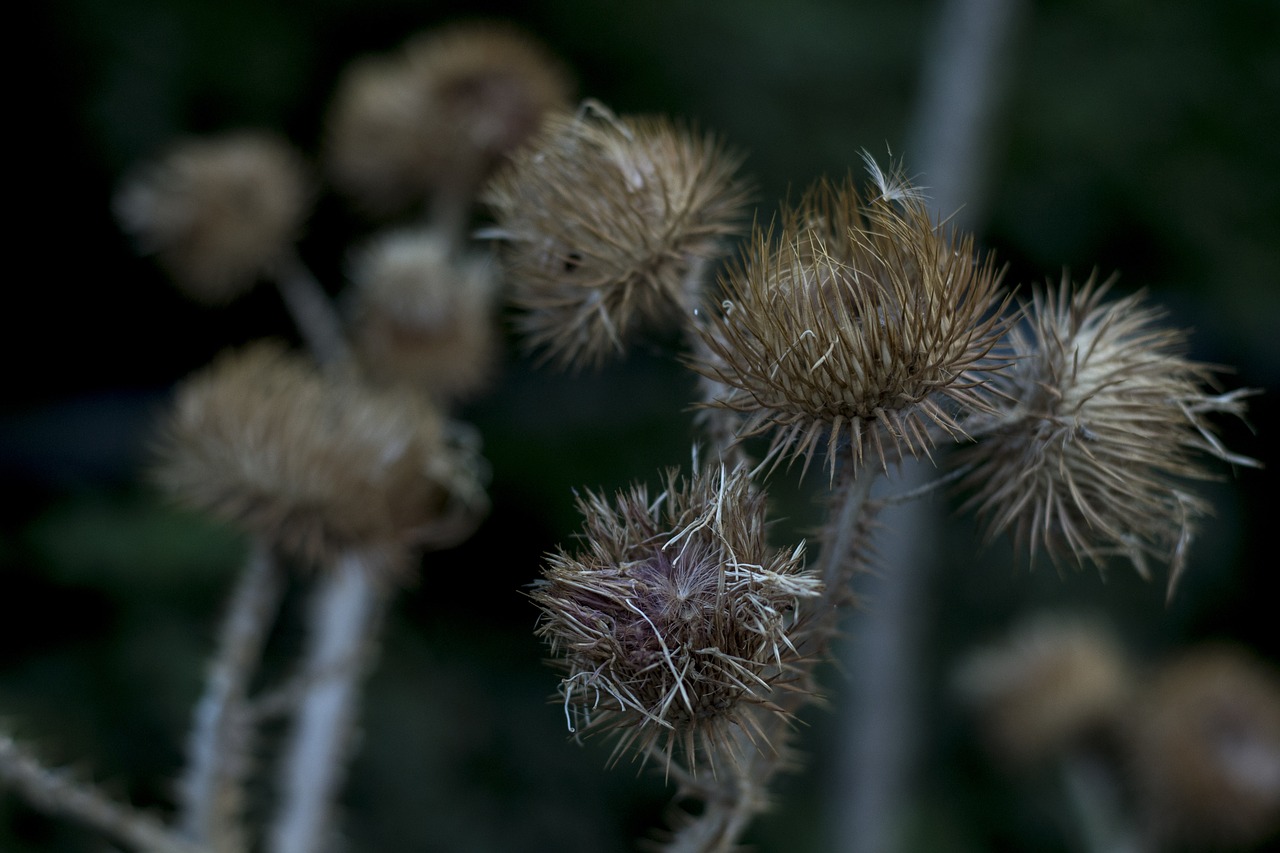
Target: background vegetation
[1136, 137]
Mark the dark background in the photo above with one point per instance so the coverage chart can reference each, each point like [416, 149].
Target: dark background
[1133, 137]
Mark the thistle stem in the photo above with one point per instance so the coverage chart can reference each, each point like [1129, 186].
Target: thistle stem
[58, 794]
[345, 612]
[212, 788]
[311, 310]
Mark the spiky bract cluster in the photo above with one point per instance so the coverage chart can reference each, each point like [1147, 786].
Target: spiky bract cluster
[675, 615]
[424, 315]
[444, 109]
[865, 322]
[607, 224]
[1102, 420]
[218, 212]
[317, 464]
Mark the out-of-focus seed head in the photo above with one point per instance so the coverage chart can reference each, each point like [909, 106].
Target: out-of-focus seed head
[318, 464]
[1051, 685]
[423, 316]
[217, 212]
[673, 619]
[607, 224]
[1205, 745]
[1102, 420]
[866, 323]
[442, 111]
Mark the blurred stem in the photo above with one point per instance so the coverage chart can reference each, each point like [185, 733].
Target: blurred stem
[1094, 800]
[345, 613]
[58, 794]
[312, 311]
[212, 788]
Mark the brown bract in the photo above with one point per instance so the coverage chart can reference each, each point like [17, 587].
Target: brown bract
[218, 212]
[1102, 422]
[674, 616]
[606, 225]
[317, 464]
[440, 112]
[865, 324]
[1205, 745]
[424, 316]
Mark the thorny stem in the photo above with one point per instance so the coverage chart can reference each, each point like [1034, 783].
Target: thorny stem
[345, 611]
[311, 310]
[733, 799]
[57, 793]
[212, 788]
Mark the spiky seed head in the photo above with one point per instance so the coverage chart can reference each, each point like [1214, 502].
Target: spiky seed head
[1205, 751]
[448, 106]
[317, 464]
[673, 618]
[1102, 421]
[423, 316]
[217, 212]
[606, 224]
[866, 323]
[1052, 683]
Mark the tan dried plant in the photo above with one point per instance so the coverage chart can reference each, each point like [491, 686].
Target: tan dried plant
[607, 224]
[317, 464]
[865, 325]
[1103, 420]
[423, 316]
[218, 212]
[674, 618]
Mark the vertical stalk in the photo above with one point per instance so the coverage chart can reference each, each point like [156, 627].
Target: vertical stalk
[346, 608]
[212, 788]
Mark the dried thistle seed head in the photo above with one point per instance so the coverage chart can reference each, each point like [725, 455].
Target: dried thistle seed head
[607, 224]
[317, 464]
[1205, 751]
[445, 108]
[423, 317]
[866, 322]
[1054, 681]
[674, 617]
[1102, 421]
[217, 212]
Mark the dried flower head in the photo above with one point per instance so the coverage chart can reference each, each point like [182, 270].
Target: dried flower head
[1102, 419]
[317, 464]
[674, 616]
[423, 316]
[444, 109]
[607, 224]
[1054, 681]
[865, 323]
[218, 212]
[1205, 741]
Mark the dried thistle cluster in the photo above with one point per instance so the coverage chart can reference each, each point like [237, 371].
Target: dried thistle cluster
[865, 325]
[318, 464]
[607, 224]
[218, 212]
[1102, 421]
[674, 620]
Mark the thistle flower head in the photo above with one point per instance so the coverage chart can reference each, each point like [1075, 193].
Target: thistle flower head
[606, 225]
[1205, 751]
[866, 323]
[423, 316]
[217, 212]
[447, 107]
[317, 464]
[1053, 681]
[674, 616]
[1102, 420]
